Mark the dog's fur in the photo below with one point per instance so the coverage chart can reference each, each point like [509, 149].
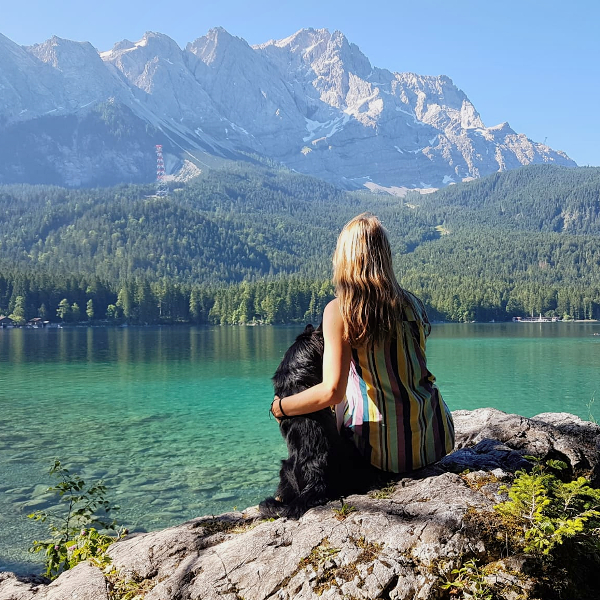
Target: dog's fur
[315, 468]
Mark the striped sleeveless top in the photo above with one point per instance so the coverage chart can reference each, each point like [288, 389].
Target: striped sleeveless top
[392, 408]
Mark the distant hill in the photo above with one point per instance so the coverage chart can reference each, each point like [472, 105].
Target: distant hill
[238, 223]
[540, 198]
[512, 243]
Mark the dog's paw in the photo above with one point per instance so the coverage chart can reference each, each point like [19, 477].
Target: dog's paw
[271, 508]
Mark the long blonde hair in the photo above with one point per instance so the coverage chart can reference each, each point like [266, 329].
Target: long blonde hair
[369, 295]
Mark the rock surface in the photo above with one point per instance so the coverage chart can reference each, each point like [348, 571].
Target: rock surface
[398, 542]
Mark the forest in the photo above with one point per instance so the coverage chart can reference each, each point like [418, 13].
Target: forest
[252, 244]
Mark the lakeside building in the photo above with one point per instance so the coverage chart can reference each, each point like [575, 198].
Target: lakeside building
[539, 319]
[6, 322]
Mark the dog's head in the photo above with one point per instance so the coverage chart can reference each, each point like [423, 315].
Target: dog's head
[302, 364]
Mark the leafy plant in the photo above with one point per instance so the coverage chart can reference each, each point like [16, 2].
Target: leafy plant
[75, 525]
[383, 493]
[469, 581]
[548, 511]
[345, 510]
[90, 545]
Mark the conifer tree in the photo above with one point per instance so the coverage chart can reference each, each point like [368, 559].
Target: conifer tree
[64, 309]
[89, 309]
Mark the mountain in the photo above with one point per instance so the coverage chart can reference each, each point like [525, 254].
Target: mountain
[72, 116]
[244, 222]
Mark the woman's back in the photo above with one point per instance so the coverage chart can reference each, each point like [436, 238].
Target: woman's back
[392, 407]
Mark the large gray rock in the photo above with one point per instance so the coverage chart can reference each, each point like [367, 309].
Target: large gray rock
[83, 582]
[558, 436]
[398, 542]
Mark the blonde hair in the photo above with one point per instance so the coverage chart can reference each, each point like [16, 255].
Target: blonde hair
[370, 297]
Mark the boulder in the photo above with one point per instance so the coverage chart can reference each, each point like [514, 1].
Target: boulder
[399, 542]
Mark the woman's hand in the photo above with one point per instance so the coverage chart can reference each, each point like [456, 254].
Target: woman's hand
[275, 409]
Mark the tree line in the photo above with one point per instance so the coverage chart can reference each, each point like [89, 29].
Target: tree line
[144, 302]
[254, 245]
[291, 299]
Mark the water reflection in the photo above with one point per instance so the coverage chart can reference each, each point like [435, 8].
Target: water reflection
[12, 344]
[527, 368]
[515, 330]
[166, 416]
[147, 345]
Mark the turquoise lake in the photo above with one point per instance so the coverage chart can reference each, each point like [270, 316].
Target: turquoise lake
[175, 419]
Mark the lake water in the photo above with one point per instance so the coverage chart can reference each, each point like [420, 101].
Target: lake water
[175, 419]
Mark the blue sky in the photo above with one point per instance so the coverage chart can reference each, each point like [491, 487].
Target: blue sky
[533, 63]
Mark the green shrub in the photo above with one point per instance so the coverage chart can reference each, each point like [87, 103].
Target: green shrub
[468, 581]
[547, 511]
[76, 525]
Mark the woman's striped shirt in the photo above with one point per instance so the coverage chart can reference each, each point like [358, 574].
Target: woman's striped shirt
[393, 409]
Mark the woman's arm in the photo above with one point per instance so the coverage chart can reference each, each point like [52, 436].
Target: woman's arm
[336, 365]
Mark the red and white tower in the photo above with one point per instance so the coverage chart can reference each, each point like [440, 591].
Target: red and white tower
[161, 184]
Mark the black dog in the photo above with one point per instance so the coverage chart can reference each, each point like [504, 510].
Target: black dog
[317, 462]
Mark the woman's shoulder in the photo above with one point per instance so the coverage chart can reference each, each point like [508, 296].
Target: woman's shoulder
[414, 310]
[332, 310]
[413, 302]
[335, 302]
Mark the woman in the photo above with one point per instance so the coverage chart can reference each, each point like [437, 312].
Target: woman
[374, 367]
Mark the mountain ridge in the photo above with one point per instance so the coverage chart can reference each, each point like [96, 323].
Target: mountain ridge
[312, 101]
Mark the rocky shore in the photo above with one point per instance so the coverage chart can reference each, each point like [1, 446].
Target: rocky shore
[402, 541]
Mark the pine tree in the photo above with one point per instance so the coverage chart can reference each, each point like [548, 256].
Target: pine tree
[64, 309]
[43, 312]
[125, 302]
[147, 308]
[89, 309]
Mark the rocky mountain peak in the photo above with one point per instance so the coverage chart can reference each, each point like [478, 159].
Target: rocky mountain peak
[146, 64]
[122, 45]
[304, 40]
[159, 43]
[311, 101]
[28, 87]
[212, 47]
[503, 127]
[315, 49]
[323, 64]
[152, 45]
[350, 54]
[65, 54]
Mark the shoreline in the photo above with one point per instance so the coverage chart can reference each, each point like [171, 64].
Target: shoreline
[85, 325]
